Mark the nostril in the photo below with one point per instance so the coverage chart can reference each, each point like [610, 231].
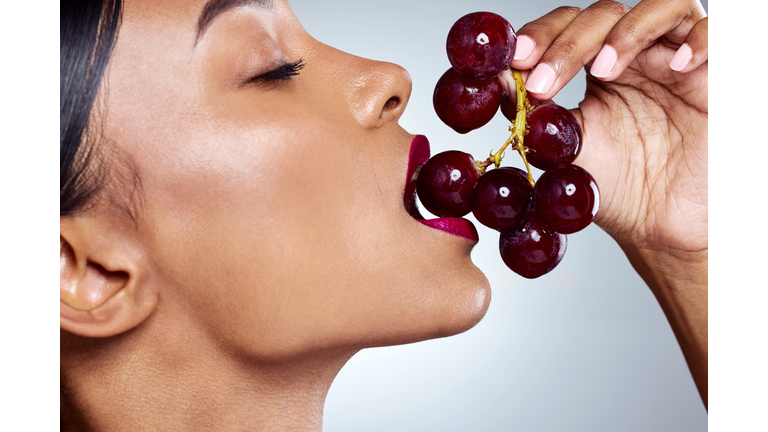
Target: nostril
[392, 103]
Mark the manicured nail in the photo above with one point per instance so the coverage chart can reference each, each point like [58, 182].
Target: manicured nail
[604, 63]
[524, 48]
[681, 58]
[541, 79]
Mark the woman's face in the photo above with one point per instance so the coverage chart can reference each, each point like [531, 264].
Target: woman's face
[272, 209]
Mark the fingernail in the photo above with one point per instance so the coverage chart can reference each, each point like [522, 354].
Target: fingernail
[524, 47]
[604, 63]
[541, 79]
[681, 58]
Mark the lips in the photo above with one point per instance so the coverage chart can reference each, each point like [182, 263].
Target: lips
[418, 156]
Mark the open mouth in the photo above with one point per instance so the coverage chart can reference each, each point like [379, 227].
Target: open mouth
[419, 154]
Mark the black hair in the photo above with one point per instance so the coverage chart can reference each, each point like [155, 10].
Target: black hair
[88, 33]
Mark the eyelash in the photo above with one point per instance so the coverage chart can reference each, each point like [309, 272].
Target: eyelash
[282, 73]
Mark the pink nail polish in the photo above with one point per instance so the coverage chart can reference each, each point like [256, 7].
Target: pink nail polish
[541, 79]
[604, 63]
[524, 47]
[681, 58]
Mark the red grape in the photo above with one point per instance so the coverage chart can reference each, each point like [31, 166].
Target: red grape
[464, 103]
[533, 221]
[566, 198]
[509, 105]
[445, 183]
[532, 249]
[501, 198]
[481, 44]
[553, 138]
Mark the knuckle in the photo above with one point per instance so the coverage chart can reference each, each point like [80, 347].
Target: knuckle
[534, 28]
[561, 53]
[569, 11]
[697, 10]
[551, 23]
[630, 33]
[613, 7]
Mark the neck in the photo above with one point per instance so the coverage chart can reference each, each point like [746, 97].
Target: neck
[125, 384]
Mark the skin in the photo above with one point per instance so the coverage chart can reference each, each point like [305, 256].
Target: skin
[224, 287]
[269, 232]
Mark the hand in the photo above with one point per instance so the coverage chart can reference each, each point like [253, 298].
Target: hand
[645, 120]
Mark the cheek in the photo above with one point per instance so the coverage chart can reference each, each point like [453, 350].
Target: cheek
[274, 227]
[252, 189]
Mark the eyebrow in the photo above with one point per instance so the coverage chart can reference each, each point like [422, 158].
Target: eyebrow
[215, 8]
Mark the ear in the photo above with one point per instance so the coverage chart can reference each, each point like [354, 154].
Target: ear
[104, 289]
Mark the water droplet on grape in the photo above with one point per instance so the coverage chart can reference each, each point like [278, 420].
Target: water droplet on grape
[463, 103]
[532, 249]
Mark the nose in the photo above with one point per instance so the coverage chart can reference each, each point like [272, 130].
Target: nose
[377, 92]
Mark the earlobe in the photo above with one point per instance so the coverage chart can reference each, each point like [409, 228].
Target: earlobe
[103, 282]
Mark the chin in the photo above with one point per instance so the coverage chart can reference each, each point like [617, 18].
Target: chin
[470, 307]
[446, 300]
[455, 307]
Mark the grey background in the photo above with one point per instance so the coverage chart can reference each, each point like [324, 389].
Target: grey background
[585, 348]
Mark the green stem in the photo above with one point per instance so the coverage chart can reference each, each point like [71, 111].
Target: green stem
[518, 130]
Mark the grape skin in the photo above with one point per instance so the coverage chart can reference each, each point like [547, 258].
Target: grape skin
[567, 198]
[554, 136]
[445, 183]
[532, 249]
[480, 45]
[501, 198]
[464, 103]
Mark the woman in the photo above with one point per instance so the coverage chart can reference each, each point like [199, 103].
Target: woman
[246, 234]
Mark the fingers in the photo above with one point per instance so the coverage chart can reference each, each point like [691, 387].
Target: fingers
[609, 35]
[694, 51]
[574, 47]
[641, 26]
[534, 38]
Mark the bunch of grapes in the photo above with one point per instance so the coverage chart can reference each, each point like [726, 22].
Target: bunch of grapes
[533, 218]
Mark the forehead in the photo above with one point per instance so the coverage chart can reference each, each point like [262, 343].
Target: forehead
[185, 16]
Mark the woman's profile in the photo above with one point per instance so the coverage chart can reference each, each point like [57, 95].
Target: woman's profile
[232, 219]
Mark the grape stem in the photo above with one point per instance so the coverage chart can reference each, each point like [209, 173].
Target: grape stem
[518, 130]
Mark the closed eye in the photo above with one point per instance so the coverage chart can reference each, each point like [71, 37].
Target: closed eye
[275, 76]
